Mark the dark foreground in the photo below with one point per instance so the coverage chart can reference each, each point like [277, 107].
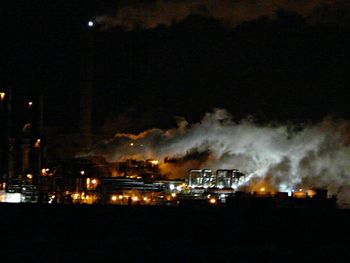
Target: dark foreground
[64, 233]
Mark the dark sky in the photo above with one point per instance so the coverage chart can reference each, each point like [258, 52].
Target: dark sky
[281, 68]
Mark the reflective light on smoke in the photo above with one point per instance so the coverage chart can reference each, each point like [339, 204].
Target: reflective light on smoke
[285, 157]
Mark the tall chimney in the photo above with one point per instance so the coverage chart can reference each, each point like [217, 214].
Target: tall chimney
[11, 139]
[86, 88]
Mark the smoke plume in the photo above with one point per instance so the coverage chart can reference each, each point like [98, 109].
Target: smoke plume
[285, 156]
[150, 14]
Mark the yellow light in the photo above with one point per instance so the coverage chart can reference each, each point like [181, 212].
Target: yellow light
[135, 198]
[212, 200]
[173, 194]
[132, 144]
[311, 193]
[145, 198]
[43, 171]
[262, 189]
[37, 143]
[114, 198]
[29, 176]
[120, 197]
[94, 181]
[154, 162]
[2, 96]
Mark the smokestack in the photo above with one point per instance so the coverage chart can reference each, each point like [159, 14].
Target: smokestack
[86, 88]
[11, 139]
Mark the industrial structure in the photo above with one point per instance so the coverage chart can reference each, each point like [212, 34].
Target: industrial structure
[139, 182]
[38, 166]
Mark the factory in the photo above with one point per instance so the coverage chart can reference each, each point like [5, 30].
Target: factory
[140, 182]
[42, 165]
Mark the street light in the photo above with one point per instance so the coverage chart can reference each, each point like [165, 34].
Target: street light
[30, 104]
[2, 96]
[91, 23]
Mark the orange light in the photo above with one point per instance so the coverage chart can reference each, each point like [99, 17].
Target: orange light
[94, 181]
[212, 201]
[2, 96]
[262, 189]
[114, 198]
[299, 194]
[37, 143]
[311, 193]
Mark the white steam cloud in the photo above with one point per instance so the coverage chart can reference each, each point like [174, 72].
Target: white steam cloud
[150, 14]
[285, 156]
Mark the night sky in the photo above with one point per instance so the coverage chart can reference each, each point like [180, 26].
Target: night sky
[280, 68]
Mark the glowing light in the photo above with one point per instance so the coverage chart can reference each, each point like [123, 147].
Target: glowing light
[135, 198]
[173, 195]
[91, 23]
[120, 197]
[2, 96]
[114, 198]
[311, 193]
[37, 143]
[30, 176]
[82, 172]
[299, 194]
[94, 181]
[154, 162]
[30, 104]
[131, 144]
[212, 201]
[171, 187]
[13, 197]
[262, 189]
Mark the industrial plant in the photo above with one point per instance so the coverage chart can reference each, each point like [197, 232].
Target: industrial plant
[41, 165]
[140, 182]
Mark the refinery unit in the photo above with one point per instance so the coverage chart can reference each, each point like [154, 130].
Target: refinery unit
[140, 182]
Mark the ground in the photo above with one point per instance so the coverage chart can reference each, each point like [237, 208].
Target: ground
[44, 233]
